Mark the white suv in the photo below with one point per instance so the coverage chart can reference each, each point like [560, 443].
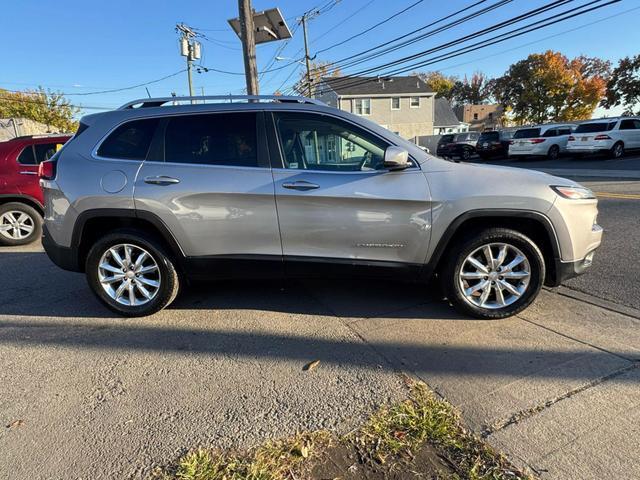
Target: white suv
[541, 141]
[609, 135]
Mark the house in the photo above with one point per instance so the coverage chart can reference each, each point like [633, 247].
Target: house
[445, 121]
[17, 127]
[404, 105]
[481, 117]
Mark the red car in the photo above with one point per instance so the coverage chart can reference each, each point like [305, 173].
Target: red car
[20, 194]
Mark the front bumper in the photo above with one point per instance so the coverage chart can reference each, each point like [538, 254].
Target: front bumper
[567, 270]
[64, 257]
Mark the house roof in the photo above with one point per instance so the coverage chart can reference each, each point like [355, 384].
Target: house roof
[377, 85]
[443, 115]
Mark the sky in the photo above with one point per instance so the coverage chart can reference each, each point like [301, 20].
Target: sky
[79, 47]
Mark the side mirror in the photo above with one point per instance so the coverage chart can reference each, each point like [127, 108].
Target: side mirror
[396, 158]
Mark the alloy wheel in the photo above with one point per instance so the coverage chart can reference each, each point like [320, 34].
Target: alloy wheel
[129, 274]
[494, 276]
[16, 225]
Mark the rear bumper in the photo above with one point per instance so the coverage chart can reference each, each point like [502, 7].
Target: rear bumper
[64, 257]
[602, 147]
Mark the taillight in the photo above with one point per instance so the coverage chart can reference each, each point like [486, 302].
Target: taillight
[511, 142]
[47, 170]
[602, 137]
[537, 140]
[571, 138]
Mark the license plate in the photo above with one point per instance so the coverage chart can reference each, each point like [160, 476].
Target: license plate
[485, 145]
[584, 139]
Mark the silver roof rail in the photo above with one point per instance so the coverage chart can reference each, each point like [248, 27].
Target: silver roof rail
[157, 102]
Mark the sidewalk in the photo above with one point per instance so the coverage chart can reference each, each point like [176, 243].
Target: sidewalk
[554, 388]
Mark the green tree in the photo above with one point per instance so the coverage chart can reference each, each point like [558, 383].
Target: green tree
[623, 87]
[548, 87]
[439, 83]
[47, 107]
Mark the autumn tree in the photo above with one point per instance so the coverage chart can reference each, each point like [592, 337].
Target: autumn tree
[317, 71]
[47, 107]
[550, 87]
[623, 87]
[439, 83]
[474, 90]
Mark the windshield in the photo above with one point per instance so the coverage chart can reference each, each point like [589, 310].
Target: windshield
[593, 127]
[489, 137]
[445, 138]
[527, 133]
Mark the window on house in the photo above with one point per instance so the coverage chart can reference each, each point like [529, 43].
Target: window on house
[415, 102]
[395, 103]
[490, 115]
[475, 116]
[363, 106]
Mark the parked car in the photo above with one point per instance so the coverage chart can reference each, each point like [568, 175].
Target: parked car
[443, 141]
[144, 198]
[21, 202]
[612, 136]
[461, 145]
[494, 143]
[548, 141]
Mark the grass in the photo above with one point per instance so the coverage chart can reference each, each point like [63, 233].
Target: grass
[392, 436]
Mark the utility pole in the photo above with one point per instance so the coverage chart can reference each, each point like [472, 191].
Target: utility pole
[247, 35]
[190, 49]
[306, 55]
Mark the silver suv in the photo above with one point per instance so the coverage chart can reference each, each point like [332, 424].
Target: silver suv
[156, 192]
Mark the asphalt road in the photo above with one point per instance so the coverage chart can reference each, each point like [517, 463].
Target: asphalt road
[84, 394]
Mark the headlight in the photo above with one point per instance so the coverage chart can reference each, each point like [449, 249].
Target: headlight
[573, 193]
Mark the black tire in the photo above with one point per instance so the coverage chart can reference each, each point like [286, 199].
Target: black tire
[617, 151]
[553, 153]
[460, 251]
[35, 220]
[168, 275]
[466, 154]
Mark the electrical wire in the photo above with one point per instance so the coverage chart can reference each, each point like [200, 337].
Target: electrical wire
[491, 41]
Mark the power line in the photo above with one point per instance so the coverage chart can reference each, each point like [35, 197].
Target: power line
[479, 33]
[114, 89]
[491, 41]
[368, 29]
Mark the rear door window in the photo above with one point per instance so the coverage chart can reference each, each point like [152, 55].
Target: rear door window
[130, 141]
[44, 151]
[225, 139]
[552, 132]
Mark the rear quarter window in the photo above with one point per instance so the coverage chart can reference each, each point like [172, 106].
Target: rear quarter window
[527, 133]
[26, 156]
[130, 141]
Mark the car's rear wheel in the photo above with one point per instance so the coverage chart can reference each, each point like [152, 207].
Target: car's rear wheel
[495, 274]
[617, 151]
[20, 224]
[131, 274]
[553, 153]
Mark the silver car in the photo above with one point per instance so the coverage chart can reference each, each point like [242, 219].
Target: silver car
[143, 198]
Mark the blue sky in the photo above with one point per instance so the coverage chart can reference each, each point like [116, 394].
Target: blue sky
[83, 46]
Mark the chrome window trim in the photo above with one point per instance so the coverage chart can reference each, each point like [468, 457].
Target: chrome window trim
[161, 116]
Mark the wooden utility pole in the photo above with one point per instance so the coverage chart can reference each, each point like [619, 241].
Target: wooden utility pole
[306, 56]
[247, 30]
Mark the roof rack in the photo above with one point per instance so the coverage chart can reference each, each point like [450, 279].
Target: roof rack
[158, 102]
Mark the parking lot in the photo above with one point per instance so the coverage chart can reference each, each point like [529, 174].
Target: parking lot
[555, 387]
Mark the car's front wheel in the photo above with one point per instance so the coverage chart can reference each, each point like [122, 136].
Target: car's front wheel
[20, 224]
[131, 274]
[494, 274]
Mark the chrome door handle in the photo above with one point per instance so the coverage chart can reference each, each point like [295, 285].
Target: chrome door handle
[28, 173]
[300, 185]
[161, 180]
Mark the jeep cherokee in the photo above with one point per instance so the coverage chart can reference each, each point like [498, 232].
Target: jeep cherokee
[157, 192]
